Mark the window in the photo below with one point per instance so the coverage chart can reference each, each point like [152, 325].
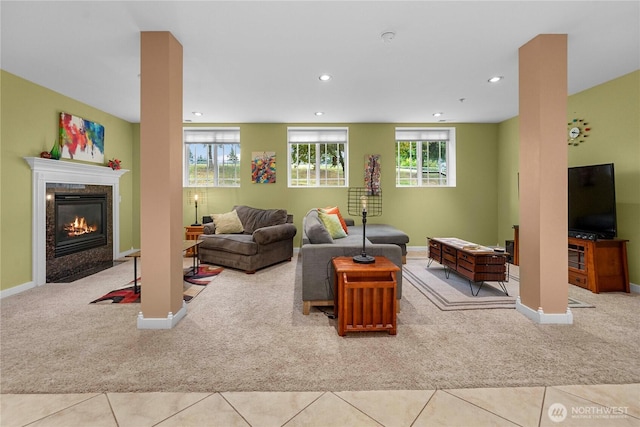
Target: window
[212, 157]
[425, 157]
[317, 157]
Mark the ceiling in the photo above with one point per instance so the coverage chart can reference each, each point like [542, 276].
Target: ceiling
[260, 61]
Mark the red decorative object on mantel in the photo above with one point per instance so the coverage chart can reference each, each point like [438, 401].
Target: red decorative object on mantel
[114, 164]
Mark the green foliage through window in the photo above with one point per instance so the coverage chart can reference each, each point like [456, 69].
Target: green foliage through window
[424, 162]
[317, 157]
[212, 157]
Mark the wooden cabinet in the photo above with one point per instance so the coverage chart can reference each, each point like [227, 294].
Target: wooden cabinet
[449, 257]
[191, 233]
[365, 298]
[599, 265]
[435, 250]
[480, 268]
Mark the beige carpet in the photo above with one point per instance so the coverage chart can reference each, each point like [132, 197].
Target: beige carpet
[456, 293]
[248, 333]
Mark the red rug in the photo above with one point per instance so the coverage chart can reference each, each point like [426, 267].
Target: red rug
[194, 283]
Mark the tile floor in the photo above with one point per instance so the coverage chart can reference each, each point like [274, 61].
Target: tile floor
[584, 406]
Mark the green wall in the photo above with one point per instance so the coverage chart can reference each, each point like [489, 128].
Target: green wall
[481, 208]
[29, 125]
[468, 211]
[612, 110]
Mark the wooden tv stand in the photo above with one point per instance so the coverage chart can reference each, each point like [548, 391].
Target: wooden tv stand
[596, 265]
[599, 265]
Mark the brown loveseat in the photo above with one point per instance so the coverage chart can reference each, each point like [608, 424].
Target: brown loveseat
[266, 239]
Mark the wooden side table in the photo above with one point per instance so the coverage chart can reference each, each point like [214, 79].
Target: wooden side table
[365, 299]
[191, 233]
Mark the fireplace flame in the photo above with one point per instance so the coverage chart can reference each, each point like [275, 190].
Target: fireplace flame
[79, 227]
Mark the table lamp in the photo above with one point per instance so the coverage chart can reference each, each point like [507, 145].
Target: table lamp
[195, 199]
[364, 201]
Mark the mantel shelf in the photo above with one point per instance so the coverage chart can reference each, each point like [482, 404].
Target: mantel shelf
[39, 164]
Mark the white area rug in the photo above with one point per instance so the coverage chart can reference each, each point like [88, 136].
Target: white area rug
[455, 292]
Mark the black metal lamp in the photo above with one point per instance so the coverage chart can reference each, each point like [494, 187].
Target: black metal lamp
[364, 201]
[195, 199]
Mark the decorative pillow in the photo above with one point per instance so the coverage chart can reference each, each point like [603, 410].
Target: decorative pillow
[227, 223]
[335, 210]
[332, 224]
[317, 233]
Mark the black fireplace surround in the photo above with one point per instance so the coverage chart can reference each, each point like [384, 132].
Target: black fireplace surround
[81, 222]
[79, 230]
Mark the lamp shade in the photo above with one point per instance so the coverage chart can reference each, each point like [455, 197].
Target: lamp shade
[371, 202]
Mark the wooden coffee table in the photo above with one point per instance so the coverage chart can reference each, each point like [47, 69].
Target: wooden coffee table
[365, 299]
[479, 264]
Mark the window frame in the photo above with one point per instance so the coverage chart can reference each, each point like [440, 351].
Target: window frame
[325, 136]
[229, 136]
[419, 136]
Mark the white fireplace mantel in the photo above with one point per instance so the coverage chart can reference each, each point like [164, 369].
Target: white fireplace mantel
[45, 171]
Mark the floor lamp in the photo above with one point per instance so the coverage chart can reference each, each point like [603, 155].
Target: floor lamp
[363, 201]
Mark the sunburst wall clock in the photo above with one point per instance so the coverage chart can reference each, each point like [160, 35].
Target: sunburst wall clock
[578, 131]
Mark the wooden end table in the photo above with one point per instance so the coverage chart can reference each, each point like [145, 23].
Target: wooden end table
[191, 232]
[365, 299]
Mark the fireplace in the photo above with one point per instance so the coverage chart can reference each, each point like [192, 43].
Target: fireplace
[79, 230]
[80, 222]
[51, 177]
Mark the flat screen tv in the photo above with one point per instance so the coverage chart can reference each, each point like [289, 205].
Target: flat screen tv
[592, 201]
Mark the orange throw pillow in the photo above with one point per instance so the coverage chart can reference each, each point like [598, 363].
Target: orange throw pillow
[336, 211]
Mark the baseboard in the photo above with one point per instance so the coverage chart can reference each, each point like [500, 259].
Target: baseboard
[635, 289]
[541, 317]
[162, 323]
[17, 289]
[125, 253]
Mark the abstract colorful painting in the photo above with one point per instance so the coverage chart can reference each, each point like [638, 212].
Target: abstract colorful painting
[372, 174]
[81, 139]
[263, 167]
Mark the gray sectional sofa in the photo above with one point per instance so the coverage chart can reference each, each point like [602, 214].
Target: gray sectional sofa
[266, 239]
[317, 251]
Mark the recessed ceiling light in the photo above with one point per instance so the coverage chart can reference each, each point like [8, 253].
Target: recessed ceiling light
[495, 79]
[437, 114]
[319, 113]
[197, 113]
[325, 77]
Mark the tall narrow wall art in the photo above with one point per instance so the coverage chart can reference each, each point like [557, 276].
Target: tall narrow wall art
[372, 174]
